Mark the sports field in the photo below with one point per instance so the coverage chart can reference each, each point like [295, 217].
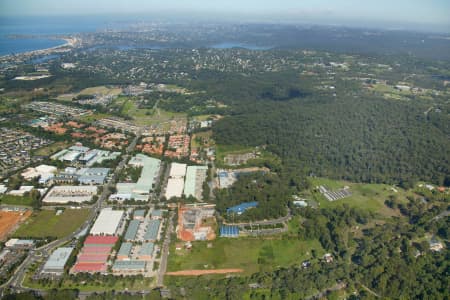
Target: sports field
[10, 219]
[46, 223]
[366, 196]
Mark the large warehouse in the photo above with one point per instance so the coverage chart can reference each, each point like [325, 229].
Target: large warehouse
[67, 193]
[175, 184]
[108, 222]
[195, 176]
[177, 170]
[140, 190]
[56, 262]
[174, 188]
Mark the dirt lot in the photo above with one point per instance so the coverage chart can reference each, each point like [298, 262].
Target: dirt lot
[204, 272]
[10, 219]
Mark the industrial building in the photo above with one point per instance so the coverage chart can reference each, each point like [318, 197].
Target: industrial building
[140, 190]
[44, 172]
[190, 222]
[68, 194]
[174, 188]
[57, 261]
[92, 175]
[175, 183]
[157, 214]
[108, 222]
[239, 209]
[152, 230]
[146, 251]
[133, 227]
[131, 267]
[124, 251]
[193, 185]
[139, 214]
[177, 170]
[94, 255]
[84, 156]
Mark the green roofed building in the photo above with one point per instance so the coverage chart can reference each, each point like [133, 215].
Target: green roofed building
[133, 227]
[124, 251]
[130, 267]
[139, 214]
[157, 214]
[146, 251]
[195, 176]
[140, 190]
[152, 230]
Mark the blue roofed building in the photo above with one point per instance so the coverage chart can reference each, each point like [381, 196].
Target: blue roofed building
[239, 209]
[229, 231]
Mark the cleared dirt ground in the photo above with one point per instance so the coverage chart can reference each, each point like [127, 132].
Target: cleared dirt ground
[204, 272]
[9, 221]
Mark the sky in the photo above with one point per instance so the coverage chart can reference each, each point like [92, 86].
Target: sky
[391, 13]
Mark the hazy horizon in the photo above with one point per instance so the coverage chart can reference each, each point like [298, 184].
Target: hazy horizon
[407, 15]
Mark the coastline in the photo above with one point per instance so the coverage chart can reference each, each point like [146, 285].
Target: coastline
[70, 43]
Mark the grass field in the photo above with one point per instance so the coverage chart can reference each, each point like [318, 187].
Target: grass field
[16, 200]
[94, 117]
[46, 223]
[147, 116]
[201, 135]
[250, 254]
[50, 149]
[366, 196]
[224, 150]
[101, 90]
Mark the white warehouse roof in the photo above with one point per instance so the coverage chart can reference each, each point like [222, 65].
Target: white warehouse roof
[177, 170]
[70, 193]
[58, 259]
[107, 222]
[174, 187]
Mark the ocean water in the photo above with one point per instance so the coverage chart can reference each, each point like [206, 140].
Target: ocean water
[12, 28]
[231, 45]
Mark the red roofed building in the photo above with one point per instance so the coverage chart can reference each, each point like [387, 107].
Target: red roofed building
[89, 267]
[93, 258]
[100, 240]
[96, 250]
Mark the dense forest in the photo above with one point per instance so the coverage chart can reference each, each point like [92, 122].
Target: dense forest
[350, 137]
[268, 190]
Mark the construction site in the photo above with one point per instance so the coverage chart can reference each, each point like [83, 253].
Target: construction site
[196, 222]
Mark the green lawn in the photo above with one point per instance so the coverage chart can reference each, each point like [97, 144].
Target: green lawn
[224, 150]
[94, 117]
[147, 116]
[46, 223]
[365, 196]
[51, 149]
[250, 254]
[16, 200]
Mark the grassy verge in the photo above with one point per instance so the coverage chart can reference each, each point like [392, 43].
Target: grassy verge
[16, 200]
[101, 284]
